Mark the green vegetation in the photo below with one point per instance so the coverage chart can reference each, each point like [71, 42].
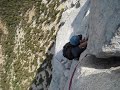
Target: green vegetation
[60, 15]
[19, 63]
[46, 64]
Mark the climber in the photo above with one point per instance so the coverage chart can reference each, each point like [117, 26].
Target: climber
[74, 47]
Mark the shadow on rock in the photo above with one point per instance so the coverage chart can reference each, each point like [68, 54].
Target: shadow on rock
[97, 63]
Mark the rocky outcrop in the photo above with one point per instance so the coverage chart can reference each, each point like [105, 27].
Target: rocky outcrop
[104, 32]
[97, 74]
[43, 76]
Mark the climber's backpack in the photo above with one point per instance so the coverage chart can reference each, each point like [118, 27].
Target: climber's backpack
[67, 51]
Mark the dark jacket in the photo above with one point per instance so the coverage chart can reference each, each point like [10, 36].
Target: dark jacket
[76, 51]
[72, 52]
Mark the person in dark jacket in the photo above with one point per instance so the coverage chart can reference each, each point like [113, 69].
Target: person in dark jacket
[76, 46]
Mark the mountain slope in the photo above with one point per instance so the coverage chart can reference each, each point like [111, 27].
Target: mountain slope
[27, 31]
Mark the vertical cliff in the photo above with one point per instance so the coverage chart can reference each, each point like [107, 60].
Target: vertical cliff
[99, 65]
[104, 28]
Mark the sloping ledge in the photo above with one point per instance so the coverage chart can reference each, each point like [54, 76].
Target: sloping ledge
[97, 74]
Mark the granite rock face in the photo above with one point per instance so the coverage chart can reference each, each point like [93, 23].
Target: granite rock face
[104, 42]
[75, 21]
[94, 73]
[99, 21]
[104, 28]
[97, 74]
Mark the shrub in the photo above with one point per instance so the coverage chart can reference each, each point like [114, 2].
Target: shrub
[60, 15]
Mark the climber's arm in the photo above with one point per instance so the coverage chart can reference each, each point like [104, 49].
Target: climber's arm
[83, 40]
[83, 44]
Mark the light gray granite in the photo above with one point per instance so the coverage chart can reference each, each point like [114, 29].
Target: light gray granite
[104, 32]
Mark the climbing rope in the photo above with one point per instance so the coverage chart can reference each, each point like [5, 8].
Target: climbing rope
[70, 83]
